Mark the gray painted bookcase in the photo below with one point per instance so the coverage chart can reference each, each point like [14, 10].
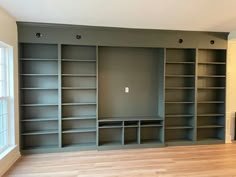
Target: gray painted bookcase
[73, 80]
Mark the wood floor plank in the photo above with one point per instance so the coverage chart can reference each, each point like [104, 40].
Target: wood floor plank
[180, 161]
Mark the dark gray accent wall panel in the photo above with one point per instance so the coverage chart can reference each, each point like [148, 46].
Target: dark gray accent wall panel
[104, 36]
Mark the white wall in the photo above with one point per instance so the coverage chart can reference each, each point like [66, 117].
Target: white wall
[231, 87]
[8, 35]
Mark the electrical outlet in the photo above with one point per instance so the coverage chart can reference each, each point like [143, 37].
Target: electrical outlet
[126, 89]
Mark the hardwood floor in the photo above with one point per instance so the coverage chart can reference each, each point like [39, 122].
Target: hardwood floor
[188, 161]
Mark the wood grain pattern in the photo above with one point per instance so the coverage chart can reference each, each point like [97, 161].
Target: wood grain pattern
[181, 161]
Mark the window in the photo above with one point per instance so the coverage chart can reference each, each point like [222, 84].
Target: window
[6, 128]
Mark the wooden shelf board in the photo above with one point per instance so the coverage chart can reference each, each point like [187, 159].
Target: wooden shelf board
[110, 126]
[39, 88]
[79, 118]
[179, 88]
[45, 132]
[170, 75]
[77, 104]
[152, 125]
[179, 62]
[212, 63]
[79, 130]
[79, 75]
[76, 60]
[25, 105]
[211, 76]
[110, 143]
[141, 118]
[206, 102]
[209, 115]
[79, 145]
[79, 88]
[210, 126]
[38, 59]
[151, 141]
[179, 127]
[202, 88]
[39, 74]
[39, 119]
[178, 115]
[179, 102]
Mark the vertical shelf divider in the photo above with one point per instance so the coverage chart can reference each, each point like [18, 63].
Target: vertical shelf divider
[195, 98]
[59, 98]
[97, 122]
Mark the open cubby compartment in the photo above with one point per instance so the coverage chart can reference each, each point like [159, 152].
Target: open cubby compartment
[179, 95]
[131, 135]
[179, 122]
[208, 134]
[39, 112]
[130, 123]
[39, 97]
[78, 68]
[110, 124]
[211, 108]
[180, 55]
[179, 69]
[210, 95]
[151, 123]
[179, 82]
[110, 136]
[41, 82]
[82, 139]
[79, 82]
[78, 52]
[145, 81]
[212, 70]
[211, 55]
[70, 126]
[178, 135]
[40, 142]
[210, 121]
[151, 135]
[210, 82]
[38, 51]
[79, 96]
[41, 127]
[179, 109]
[39, 67]
[78, 111]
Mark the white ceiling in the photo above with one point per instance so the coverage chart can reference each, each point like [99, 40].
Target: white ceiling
[196, 15]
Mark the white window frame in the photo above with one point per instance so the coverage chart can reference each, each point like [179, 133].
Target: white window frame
[9, 96]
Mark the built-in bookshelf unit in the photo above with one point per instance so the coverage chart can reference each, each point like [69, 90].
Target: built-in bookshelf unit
[84, 88]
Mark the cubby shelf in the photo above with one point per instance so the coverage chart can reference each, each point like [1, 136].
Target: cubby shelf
[79, 130]
[209, 115]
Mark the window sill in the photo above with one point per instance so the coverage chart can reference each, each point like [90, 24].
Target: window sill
[7, 151]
